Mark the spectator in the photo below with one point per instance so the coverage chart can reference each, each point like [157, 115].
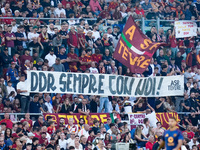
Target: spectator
[51, 57]
[58, 66]
[160, 104]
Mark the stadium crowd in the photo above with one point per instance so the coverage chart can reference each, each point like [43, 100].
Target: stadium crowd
[80, 42]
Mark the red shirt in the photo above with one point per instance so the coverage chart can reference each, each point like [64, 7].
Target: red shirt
[139, 12]
[113, 5]
[83, 67]
[43, 39]
[149, 145]
[43, 141]
[30, 122]
[190, 135]
[74, 38]
[8, 122]
[88, 59]
[97, 57]
[81, 38]
[90, 139]
[51, 130]
[8, 21]
[36, 135]
[173, 41]
[64, 2]
[72, 65]
[104, 14]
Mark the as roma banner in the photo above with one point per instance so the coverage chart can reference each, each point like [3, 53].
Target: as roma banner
[103, 84]
[102, 117]
[134, 49]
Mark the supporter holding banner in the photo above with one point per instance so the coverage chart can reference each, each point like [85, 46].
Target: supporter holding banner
[185, 29]
[104, 84]
[134, 49]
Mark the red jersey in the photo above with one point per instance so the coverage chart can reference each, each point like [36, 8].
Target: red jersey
[8, 122]
[113, 5]
[43, 39]
[97, 57]
[72, 65]
[88, 59]
[30, 122]
[81, 37]
[64, 2]
[8, 21]
[51, 130]
[43, 141]
[173, 41]
[139, 12]
[83, 67]
[37, 135]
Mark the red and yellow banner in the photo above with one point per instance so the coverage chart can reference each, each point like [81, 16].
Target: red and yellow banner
[135, 49]
[164, 118]
[102, 117]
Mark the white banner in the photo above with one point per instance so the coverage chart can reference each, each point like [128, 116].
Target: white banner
[136, 119]
[104, 84]
[185, 29]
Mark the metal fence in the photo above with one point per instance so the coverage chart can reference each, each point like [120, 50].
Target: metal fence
[145, 24]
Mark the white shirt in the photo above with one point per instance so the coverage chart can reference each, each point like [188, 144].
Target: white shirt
[128, 106]
[96, 34]
[93, 70]
[152, 119]
[191, 143]
[14, 29]
[49, 106]
[51, 59]
[51, 32]
[86, 31]
[10, 89]
[23, 86]
[83, 132]
[4, 11]
[62, 144]
[145, 130]
[32, 35]
[58, 11]
[29, 141]
[70, 142]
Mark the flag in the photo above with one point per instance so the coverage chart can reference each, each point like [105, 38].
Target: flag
[134, 49]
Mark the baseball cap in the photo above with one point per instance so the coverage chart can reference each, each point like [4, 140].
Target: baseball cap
[27, 49]
[40, 60]
[13, 62]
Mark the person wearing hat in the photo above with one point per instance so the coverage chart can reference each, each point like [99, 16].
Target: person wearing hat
[6, 59]
[28, 146]
[57, 41]
[10, 39]
[51, 57]
[58, 66]
[12, 74]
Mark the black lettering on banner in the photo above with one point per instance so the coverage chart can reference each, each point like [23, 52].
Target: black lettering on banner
[43, 77]
[154, 86]
[69, 75]
[34, 81]
[120, 84]
[51, 81]
[85, 82]
[110, 85]
[140, 90]
[174, 85]
[63, 75]
[128, 88]
[159, 86]
[77, 79]
[148, 87]
[100, 91]
[92, 84]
